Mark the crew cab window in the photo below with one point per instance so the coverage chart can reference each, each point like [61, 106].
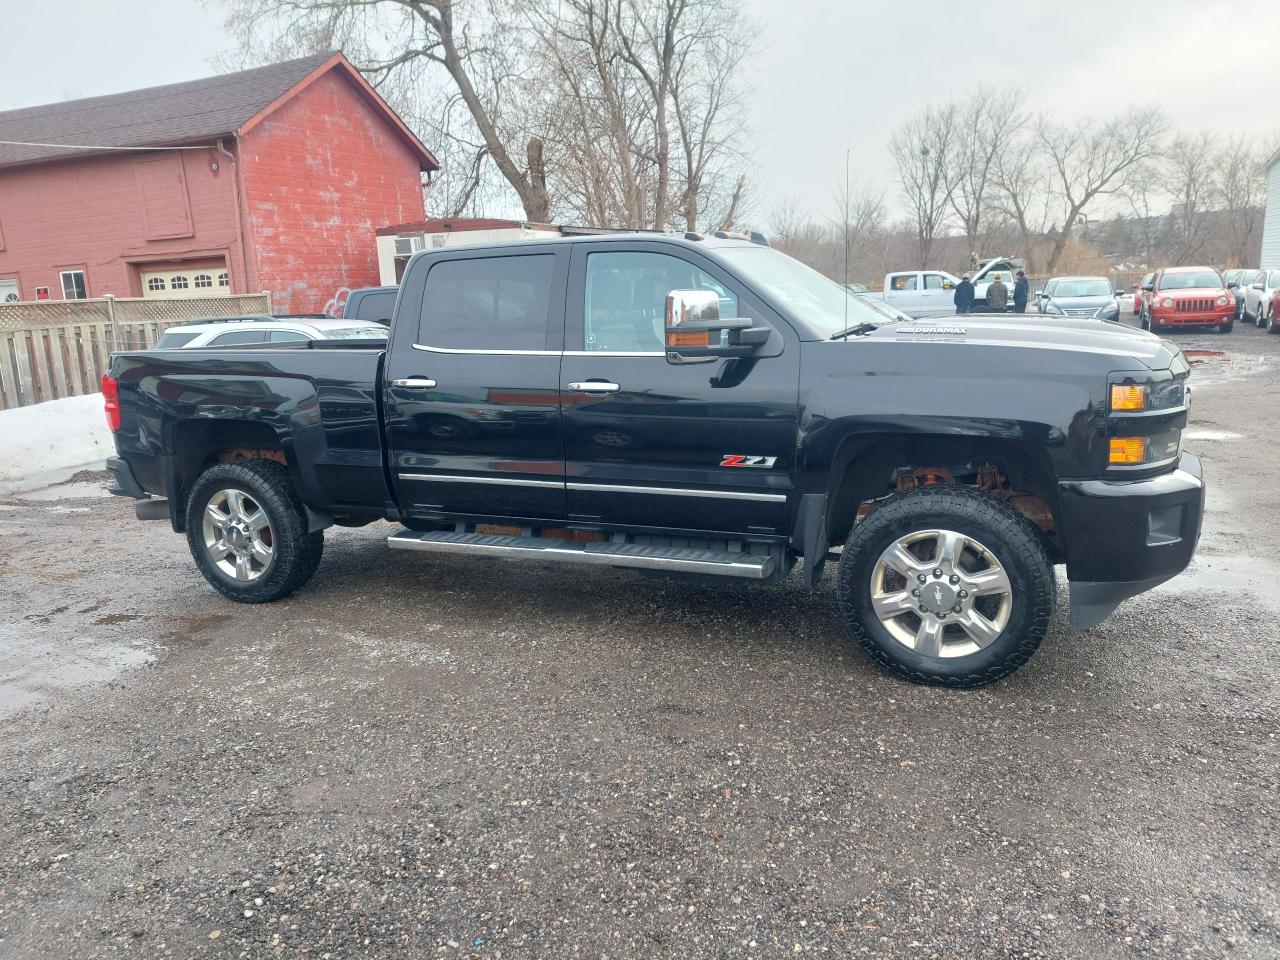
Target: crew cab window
[172, 339]
[488, 303]
[287, 336]
[905, 281]
[935, 281]
[626, 306]
[238, 337]
[374, 306]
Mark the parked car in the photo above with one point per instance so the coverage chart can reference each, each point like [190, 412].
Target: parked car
[236, 331]
[923, 293]
[1076, 296]
[1271, 313]
[1140, 293]
[1187, 297]
[1237, 280]
[788, 417]
[373, 304]
[1257, 297]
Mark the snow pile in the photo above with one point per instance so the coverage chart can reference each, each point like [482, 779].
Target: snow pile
[48, 442]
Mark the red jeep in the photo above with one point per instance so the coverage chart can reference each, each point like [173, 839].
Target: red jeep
[1187, 297]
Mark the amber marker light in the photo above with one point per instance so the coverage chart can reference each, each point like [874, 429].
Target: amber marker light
[1128, 397]
[1128, 451]
[677, 339]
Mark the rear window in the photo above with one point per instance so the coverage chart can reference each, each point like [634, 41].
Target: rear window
[175, 339]
[488, 303]
[375, 307]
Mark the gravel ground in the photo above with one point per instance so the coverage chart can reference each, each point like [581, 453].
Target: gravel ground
[422, 756]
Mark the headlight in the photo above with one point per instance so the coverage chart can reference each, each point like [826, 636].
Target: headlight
[1053, 308]
[1222, 301]
[1167, 302]
[1136, 397]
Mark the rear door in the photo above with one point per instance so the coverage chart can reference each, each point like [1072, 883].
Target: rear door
[689, 447]
[471, 393]
[936, 295]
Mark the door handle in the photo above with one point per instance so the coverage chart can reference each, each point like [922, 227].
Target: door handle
[594, 386]
[414, 383]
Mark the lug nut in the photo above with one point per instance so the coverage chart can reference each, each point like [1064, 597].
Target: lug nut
[923, 608]
[954, 578]
[921, 578]
[937, 573]
[956, 608]
[964, 594]
[915, 592]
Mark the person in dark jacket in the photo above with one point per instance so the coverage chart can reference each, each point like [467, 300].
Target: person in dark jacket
[997, 295]
[964, 295]
[1021, 293]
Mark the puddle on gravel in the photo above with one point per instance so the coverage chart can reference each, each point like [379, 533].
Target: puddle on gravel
[66, 491]
[1237, 574]
[33, 670]
[1212, 367]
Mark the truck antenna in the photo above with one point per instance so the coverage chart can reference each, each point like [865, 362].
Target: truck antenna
[846, 243]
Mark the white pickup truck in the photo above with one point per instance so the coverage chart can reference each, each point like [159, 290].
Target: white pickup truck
[923, 293]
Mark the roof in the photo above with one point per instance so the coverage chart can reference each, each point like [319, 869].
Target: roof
[177, 113]
[1274, 159]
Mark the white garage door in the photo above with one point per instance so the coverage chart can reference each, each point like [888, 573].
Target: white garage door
[197, 280]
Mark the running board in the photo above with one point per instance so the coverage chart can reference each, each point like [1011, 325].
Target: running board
[603, 553]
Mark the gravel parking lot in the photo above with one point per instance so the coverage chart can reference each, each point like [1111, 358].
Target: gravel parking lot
[429, 756]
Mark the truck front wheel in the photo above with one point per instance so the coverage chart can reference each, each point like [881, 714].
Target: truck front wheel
[247, 531]
[946, 586]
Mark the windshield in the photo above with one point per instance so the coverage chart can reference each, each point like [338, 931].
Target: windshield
[1247, 277]
[1082, 288]
[371, 332]
[822, 303]
[1189, 281]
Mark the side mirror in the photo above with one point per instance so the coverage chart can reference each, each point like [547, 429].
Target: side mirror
[1232, 285]
[947, 285]
[696, 333]
[1149, 287]
[1042, 295]
[1119, 292]
[1258, 286]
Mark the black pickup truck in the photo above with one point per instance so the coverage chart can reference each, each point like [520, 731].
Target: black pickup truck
[697, 406]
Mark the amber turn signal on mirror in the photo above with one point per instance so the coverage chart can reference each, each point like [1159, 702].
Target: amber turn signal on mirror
[1128, 396]
[1128, 451]
[692, 339]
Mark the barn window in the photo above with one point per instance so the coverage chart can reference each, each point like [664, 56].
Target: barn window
[179, 282]
[223, 279]
[73, 285]
[204, 280]
[155, 283]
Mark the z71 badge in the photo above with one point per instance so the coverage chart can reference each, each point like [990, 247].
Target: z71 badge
[739, 460]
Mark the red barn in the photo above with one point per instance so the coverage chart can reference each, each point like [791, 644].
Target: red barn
[268, 179]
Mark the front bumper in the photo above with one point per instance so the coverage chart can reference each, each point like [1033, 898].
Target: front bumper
[1170, 321]
[1124, 537]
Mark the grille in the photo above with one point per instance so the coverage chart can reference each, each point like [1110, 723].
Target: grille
[1204, 305]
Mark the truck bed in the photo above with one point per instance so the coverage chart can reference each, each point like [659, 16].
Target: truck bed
[321, 404]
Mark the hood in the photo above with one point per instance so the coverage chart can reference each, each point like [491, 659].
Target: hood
[1197, 292]
[1125, 345]
[1081, 306]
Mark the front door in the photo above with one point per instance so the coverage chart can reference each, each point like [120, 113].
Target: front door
[471, 387]
[701, 446]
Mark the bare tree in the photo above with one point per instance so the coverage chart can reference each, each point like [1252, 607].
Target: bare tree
[921, 148]
[987, 122]
[1092, 160]
[1190, 163]
[1022, 192]
[1241, 192]
[1144, 193]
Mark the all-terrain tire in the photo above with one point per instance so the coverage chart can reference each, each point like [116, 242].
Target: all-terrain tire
[296, 552]
[1010, 537]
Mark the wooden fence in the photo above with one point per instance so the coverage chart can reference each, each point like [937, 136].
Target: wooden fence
[53, 349]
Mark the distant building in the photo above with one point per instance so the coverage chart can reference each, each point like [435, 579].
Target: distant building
[1271, 217]
[269, 179]
[398, 242]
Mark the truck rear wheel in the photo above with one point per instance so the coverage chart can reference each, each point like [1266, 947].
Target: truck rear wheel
[247, 531]
[946, 586]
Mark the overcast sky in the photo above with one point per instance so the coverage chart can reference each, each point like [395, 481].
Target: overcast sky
[829, 75]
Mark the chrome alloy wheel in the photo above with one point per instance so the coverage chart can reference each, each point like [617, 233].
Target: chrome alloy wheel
[238, 536]
[941, 593]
